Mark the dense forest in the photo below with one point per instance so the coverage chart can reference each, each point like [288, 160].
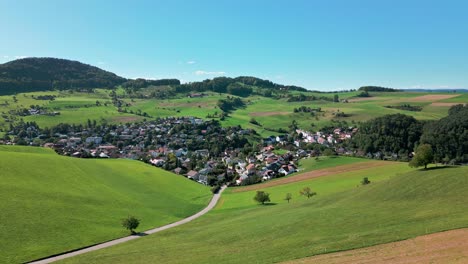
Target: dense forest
[377, 89]
[143, 83]
[40, 74]
[401, 134]
[449, 136]
[396, 133]
[240, 86]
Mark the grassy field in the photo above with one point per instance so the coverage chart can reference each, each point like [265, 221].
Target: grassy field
[51, 204]
[270, 113]
[400, 203]
[326, 161]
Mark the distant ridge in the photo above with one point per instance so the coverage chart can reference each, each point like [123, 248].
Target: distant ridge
[439, 90]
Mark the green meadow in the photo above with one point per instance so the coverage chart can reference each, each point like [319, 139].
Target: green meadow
[400, 203]
[271, 114]
[51, 204]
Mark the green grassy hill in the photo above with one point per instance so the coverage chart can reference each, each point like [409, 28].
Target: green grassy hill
[400, 203]
[51, 204]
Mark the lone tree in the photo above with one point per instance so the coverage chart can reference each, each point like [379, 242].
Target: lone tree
[130, 223]
[307, 192]
[365, 181]
[423, 156]
[262, 197]
[288, 197]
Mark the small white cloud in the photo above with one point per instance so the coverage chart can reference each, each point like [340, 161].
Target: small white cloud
[210, 73]
[20, 57]
[191, 62]
[101, 62]
[444, 86]
[6, 56]
[417, 86]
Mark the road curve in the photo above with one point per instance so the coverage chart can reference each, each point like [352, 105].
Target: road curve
[210, 206]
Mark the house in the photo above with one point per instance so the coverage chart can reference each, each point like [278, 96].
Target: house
[203, 179]
[250, 169]
[157, 162]
[178, 170]
[94, 140]
[287, 169]
[196, 95]
[194, 175]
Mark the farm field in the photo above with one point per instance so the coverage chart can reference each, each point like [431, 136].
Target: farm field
[51, 204]
[271, 114]
[444, 247]
[400, 203]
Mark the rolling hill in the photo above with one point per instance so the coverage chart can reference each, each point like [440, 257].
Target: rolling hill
[41, 74]
[51, 204]
[400, 203]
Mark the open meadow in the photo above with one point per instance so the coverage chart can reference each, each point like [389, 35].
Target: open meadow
[400, 203]
[51, 204]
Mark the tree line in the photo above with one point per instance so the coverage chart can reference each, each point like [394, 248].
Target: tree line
[401, 134]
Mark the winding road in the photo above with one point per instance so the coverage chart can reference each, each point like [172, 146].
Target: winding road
[210, 206]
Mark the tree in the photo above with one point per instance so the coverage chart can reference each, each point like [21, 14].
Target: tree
[288, 197]
[130, 223]
[423, 156]
[307, 192]
[262, 197]
[365, 181]
[336, 98]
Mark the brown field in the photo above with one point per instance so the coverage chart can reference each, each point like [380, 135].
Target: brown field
[269, 113]
[431, 97]
[315, 174]
[444, 247]
[444, 104]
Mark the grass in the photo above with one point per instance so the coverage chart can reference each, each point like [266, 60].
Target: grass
[271, 113]
[326, 161]
[51, 204]
[400, 203]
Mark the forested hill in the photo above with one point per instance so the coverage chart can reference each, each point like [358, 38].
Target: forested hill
[39, 74]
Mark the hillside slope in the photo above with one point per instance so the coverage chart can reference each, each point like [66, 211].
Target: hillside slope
[404, 206]
[51, 204]
[39, 74]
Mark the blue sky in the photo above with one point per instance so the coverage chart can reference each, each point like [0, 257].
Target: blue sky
[325, 45]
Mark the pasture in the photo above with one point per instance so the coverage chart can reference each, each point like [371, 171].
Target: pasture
[51, 204]
[400, 203]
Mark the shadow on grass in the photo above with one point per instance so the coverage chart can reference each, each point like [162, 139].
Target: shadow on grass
[439, 168]
[268, 204]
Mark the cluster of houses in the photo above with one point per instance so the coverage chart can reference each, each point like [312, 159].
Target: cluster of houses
[190, 146]
[337, 136]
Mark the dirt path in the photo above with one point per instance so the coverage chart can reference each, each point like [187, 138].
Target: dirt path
[444, 247]
[314, 174]
[210, 206]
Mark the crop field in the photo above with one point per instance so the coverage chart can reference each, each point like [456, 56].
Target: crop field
[51, 204]
[443, 247]
[400, 203]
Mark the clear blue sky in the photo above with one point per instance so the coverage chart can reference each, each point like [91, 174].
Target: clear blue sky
[326, 45]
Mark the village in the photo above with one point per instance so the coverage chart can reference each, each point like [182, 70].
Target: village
[197, 149]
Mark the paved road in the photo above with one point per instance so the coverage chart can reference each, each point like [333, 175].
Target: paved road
[210, 206]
